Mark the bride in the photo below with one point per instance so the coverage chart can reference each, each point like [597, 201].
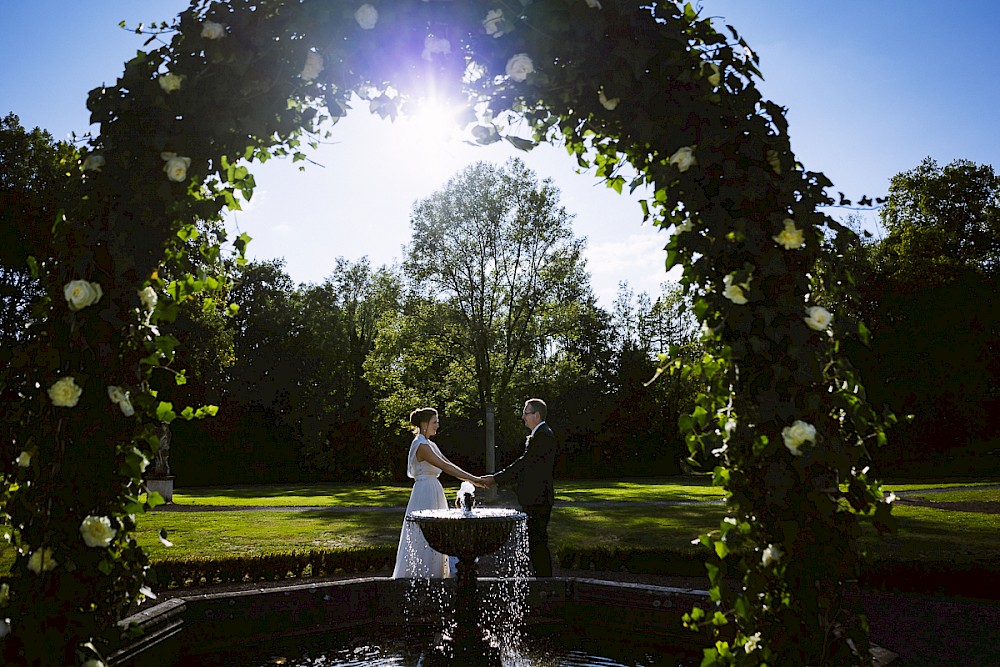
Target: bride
[415, 558]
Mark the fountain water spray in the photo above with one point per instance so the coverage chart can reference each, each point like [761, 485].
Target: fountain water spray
[467, 534]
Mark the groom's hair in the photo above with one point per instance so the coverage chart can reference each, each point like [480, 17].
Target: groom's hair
[537, 405]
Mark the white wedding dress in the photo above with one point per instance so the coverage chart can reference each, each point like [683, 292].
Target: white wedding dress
[414, 557]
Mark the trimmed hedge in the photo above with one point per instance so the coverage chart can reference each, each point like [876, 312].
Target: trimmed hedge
[979, 578]
[277, 566]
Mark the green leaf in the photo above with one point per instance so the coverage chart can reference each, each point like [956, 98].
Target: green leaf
[165, 412]
[154, 499]
[864, 333]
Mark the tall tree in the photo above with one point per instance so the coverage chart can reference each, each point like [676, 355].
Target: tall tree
[497, 248]
[943, 221]
[929, 291]
[33, 178]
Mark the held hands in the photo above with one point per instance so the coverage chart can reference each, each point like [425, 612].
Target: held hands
[483, 482]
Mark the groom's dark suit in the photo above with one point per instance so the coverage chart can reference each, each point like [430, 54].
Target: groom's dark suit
[535, 491]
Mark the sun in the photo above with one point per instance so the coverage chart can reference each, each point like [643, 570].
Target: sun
[432, 131]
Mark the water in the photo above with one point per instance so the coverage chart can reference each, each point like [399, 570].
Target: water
[427, 636]
[502, 598]
[405, 647]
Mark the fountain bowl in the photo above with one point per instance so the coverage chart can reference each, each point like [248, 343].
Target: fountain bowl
[467, 534]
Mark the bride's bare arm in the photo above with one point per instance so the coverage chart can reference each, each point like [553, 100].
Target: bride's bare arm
[425, 453]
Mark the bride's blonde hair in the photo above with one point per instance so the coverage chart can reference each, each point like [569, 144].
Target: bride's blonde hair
[421, 416]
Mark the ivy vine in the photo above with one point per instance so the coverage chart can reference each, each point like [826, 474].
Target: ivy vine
[646, 94]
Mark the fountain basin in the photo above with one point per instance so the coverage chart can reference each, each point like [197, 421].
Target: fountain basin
[467, 533]
[184, 630]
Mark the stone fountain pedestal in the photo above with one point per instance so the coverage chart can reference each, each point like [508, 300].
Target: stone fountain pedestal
[467, 535]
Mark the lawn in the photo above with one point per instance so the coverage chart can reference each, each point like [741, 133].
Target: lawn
[666, 489]
[660, 512]
[924, 533]
[257, 531]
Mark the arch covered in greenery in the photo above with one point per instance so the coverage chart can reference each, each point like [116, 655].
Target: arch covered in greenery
[647, 94]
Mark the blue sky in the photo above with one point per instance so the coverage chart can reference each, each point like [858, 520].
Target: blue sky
[871, 87]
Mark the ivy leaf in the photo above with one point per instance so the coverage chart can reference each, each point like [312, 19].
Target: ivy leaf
[165, 412]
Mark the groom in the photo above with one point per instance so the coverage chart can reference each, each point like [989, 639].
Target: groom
[532, 472]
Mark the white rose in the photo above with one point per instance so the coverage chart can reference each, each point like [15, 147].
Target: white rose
[594, 4]
[771, 555]
[93, 162]
[213, 30]
[366, 16]
[791, 237]
[82, 293]
[606, 103]
[798, 434]
[493, 23]
[24, 460]
[169, 82]
[818, 318]
[735, 292]
[148, 297]
[42, 561]
[684, 158]
[312, 67]
[97, 531]
[753, 642]
[435, 45]
[176, 167]
[120, 397]
[520, 66]
[65, 393]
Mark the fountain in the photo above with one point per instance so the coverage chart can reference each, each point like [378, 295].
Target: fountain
[362, 621]
[467, 533]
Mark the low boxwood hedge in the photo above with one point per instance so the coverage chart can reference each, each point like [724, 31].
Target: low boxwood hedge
[212, 571]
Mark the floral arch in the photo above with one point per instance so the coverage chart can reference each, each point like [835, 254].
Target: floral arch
[651, 85]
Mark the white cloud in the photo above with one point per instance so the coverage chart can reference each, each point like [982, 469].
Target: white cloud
[637, 258]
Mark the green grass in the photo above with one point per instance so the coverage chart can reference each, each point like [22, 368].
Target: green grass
[664, 527]
[929, 533]
[396, 495]
[240, 532]
[969, 495]
[664, 489]
[925, 533]
[284, 495]
[921, 486]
